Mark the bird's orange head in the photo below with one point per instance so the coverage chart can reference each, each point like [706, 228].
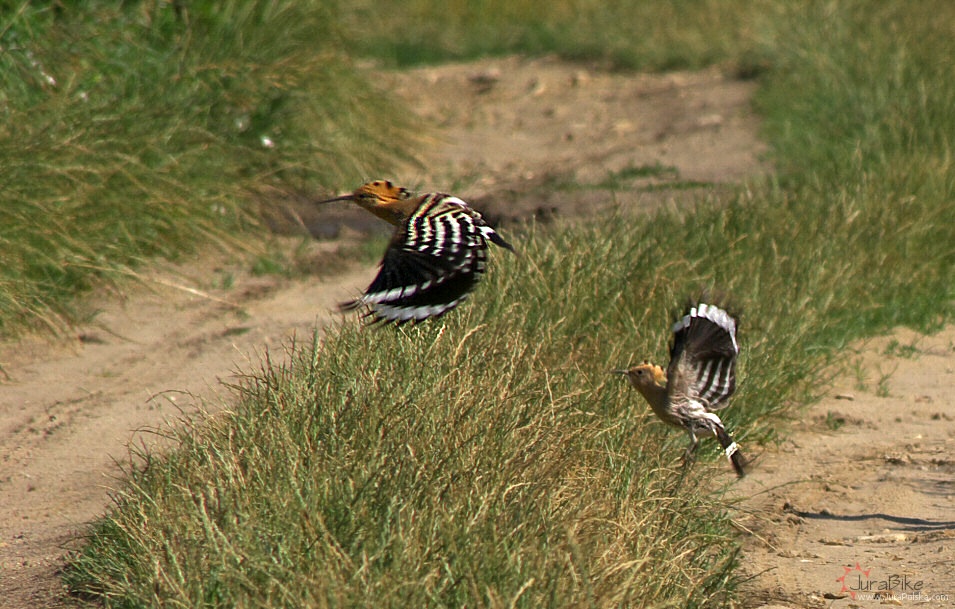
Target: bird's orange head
[651, 381]
[382, 198]
[645, 375]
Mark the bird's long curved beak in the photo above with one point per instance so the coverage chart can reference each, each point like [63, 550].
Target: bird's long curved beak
[620, 371]
[348, 197]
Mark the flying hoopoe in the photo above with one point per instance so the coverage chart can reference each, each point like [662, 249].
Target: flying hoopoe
[700, 378]
[436, 256]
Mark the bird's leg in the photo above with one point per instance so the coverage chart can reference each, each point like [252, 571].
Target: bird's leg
[690, 455]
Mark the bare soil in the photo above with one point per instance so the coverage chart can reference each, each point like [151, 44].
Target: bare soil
[856, 508]
[866, 480]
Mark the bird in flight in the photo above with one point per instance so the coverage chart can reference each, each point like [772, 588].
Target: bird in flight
[699, 379]
[435, 258]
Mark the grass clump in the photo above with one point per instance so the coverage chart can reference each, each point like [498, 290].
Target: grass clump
[861, 132]
[410, 468]
[647, 35]
[134, 130]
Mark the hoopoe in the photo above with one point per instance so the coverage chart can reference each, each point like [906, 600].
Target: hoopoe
[436, 256]
[699, 379]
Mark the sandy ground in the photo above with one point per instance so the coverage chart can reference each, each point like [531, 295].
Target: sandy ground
[856, 508]
[874, 489]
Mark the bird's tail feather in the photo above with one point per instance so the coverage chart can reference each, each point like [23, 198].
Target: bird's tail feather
[731, 448]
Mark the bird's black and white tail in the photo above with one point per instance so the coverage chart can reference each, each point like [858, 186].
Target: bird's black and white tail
[732, 451]
[705, 347]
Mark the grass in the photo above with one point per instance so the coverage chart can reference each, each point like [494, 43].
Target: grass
[897, 349]
[427, 491]
[656, 35]
[834, 421]
[133, 131]
[882, 389]
[489, 459]
[622, 179]
[864, 138]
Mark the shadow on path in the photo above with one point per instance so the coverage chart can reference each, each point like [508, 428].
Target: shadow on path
[909, 524]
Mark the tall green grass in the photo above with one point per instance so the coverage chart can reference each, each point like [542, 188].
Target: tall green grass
[859, 109]
[134, 130]
[860, 89]
[411, 468]
[647, 35]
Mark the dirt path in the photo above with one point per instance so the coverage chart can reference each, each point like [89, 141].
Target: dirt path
[857, 507]
[68, 410]
[505, 127]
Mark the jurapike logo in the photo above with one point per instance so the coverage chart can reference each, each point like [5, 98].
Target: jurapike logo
[856, 580]
[846, 586]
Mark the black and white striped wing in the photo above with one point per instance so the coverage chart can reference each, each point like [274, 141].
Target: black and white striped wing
[703, 355]
[431, 265]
